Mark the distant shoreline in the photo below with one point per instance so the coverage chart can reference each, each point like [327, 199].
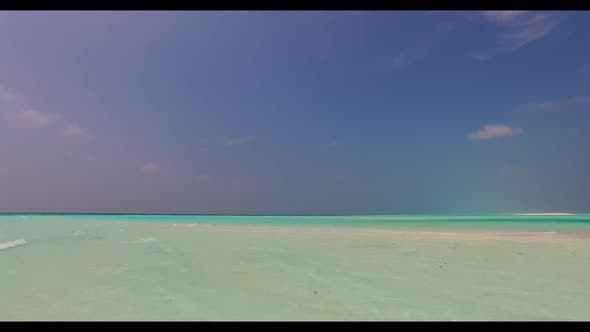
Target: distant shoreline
[546, 214]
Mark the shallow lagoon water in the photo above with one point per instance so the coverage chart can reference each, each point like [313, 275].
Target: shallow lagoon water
[149, 267]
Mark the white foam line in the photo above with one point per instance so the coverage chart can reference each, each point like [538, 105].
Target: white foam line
[546, 214]
[12, 244]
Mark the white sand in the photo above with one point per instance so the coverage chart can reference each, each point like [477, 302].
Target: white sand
[546, 214]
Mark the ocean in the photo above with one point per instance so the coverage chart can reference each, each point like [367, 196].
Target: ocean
[286, 268]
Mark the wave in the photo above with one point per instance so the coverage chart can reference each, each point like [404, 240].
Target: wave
[12, 244]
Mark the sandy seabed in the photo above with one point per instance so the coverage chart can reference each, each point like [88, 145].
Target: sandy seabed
[91, 270]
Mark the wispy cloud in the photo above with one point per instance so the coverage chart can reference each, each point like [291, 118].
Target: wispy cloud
[35, 118]
[150, 168]
[503, 16]
[491, 131]
[561, 105]
[519, 28]
[75, 131]
[233, 141]
[6, 97]
[40, 119]
[408, 57]
[423, 48]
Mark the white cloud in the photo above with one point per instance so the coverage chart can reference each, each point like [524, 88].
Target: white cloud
[75, 131]
[202, 178]
[150, 168]
[519, 29]
[6, 96]
[491, 131]
[35, 118]
[41, 119]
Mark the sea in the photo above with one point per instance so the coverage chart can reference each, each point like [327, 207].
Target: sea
[101, 267]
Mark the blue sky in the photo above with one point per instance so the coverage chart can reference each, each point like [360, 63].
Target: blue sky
[295, 112]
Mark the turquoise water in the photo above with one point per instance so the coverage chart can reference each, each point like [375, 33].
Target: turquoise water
[492, 222]
[415, 267]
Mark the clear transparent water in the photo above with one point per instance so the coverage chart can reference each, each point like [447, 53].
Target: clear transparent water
[135, 267]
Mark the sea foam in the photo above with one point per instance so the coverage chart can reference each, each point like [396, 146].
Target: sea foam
[12, 244]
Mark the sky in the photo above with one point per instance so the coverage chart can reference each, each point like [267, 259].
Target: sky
[295, 112]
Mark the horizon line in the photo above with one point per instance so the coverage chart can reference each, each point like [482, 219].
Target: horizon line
[548, 214]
